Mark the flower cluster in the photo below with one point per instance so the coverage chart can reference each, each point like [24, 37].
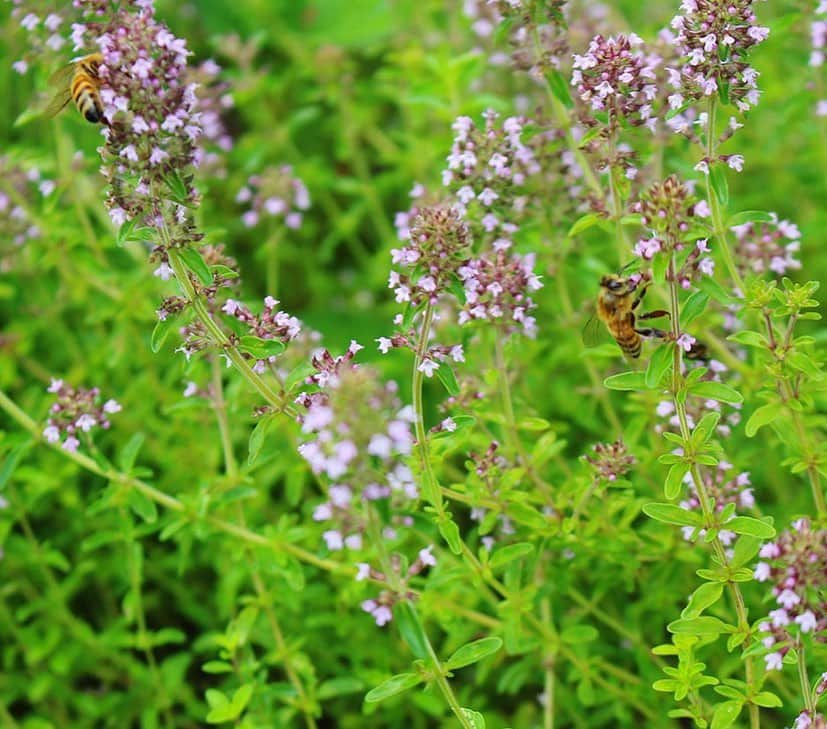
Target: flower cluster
[713, 39]
[272, 325]
[527, 20]
[275, 193]
[806, 720]
[214, 100]
[359, 436]
[487, 172]
[794, 564]
[762, 247]
[615, 76]
[498, 288]
[668, 209]
[152, 125]
[438, 245]
[382, 607]
[610, 461]
[76, 411]
[22, 189]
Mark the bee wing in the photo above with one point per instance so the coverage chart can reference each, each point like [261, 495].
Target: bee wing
[60, 99]
[61, 80]
[593, 332]
[63, 76]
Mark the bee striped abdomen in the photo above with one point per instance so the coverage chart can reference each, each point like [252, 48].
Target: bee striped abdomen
[84, 90]
[629, 341]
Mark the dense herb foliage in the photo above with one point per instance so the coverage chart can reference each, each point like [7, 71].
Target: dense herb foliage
[311, 412]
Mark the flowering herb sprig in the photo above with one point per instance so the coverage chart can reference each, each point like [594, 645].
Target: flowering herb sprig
[794, 375]
[76, 413]
[20, 190]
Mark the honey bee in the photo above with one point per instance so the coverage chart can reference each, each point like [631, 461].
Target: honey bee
[617, 303]
[79, 81]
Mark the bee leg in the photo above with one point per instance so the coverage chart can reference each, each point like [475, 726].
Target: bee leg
[640, 296]
[657, 314]
[652, 333]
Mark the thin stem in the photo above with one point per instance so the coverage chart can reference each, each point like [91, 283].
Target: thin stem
[231, 467]
[272, 252]
[700, 487]
[511, 430]
[720, 232]
[170, 502]
[442, 682]
[804, 679]
[220, 339]
[623, 248]
[430, 484]
[548, 706]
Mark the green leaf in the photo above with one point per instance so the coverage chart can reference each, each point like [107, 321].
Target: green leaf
[767, 699]
[257, 438]
[473, 652]
[578, 634]
[477, 720]
[672, 514]
[659, 365]
[750, 339]
[193, 261]
[217, 667]
[695, 306]
[159, 334]
[674, 480]
[261, 348]
[393, 686]
[10, 464]
[527, 515]
[176, 186]
[705, 596]
[410, 628]
[716, 391]
[587, 221]
[703, 625]
[142, 505]
[626, 381]
[446, 376]
[450, 533]
[749, 216]
[764, 415]
[559, 87]
[803, 363]
[508, 554]
[717, 178]
[725, 714]
[129, 453]
[751, 527]
[711, 287]
[745, 549]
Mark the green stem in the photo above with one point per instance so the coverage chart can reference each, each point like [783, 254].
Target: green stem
[277, 401]
[511, 430]
[548, 706]
[272, 252]
[804, 679]
[170, 502]
[438, 672]
[430, 490]
[623, 247]
[719, 230]
[231, 467]
[700, 487]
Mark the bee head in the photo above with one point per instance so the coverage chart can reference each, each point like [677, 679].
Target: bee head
[614, 283]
